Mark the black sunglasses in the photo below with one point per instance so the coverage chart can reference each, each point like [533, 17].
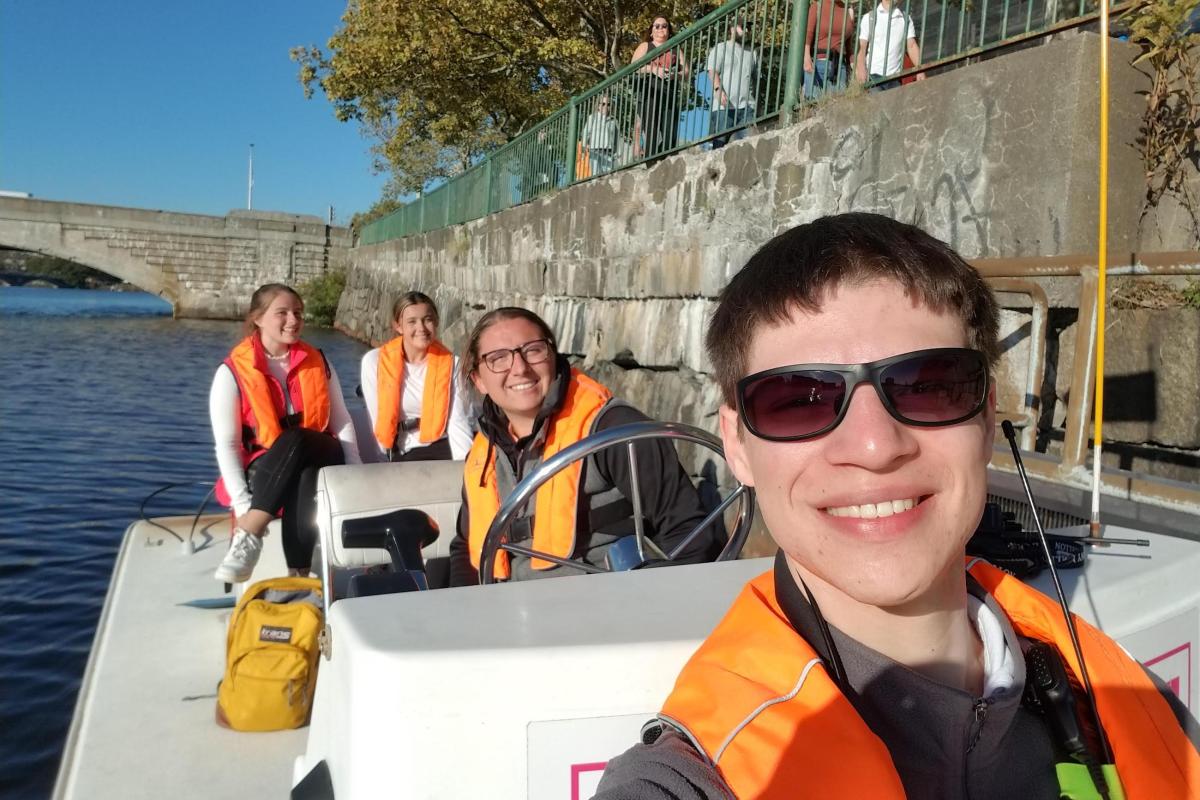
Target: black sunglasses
[926, 388]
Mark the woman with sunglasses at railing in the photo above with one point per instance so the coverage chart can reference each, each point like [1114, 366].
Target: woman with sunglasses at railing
[658, 93]
[411, 391]
[534, 405]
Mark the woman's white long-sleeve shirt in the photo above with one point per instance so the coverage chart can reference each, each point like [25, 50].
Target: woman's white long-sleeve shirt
[225, 412]
[411, 399]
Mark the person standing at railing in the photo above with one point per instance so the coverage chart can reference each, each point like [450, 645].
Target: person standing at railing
[830, 28]
[884, 37]
[410, 388]
[539, 165]
[599, 137]
[733, 69]
[657, 127]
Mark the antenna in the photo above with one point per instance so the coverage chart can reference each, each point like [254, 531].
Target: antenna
[1102, 266]
[1011, 434]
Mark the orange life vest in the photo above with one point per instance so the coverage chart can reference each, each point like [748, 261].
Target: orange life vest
[557, 501]
[758, 702]
[263, 405]
[435, 399]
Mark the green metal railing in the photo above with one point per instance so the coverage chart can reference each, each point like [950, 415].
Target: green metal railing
[746, 62]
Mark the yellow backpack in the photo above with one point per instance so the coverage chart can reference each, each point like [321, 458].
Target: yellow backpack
[271, 656]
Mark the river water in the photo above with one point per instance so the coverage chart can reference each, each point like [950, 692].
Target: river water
[103, 399]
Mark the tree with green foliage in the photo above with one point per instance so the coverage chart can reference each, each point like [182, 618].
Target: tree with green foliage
[1170, 123]
[437, 84]
[321, 296]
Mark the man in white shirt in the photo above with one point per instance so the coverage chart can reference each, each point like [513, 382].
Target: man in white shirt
[884, 36]
[733, 69]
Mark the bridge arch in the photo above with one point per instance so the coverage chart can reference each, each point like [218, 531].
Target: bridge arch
[204, 266]
[110, 265]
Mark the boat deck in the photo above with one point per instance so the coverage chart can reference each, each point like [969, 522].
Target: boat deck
[153, 652]
[144, 723]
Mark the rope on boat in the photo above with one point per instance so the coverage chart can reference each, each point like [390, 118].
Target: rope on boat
[195, 519]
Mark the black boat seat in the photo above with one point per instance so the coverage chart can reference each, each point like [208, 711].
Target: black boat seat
[403, 533]
[372, 583]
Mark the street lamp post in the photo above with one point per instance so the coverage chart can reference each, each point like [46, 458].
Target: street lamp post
[250, 181]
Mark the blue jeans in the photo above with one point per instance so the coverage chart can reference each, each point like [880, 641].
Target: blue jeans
[601, 160]
[880, 87]
[728, 118]
[828, 75]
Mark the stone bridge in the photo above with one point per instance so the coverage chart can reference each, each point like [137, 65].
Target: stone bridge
[205, 266]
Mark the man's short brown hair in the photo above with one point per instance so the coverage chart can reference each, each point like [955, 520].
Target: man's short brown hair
[797, 268]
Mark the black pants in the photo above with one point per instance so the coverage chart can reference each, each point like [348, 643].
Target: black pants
[659, 110]
[434, 451]
[285, 477]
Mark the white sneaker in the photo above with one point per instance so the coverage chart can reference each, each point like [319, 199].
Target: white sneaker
[238, 564]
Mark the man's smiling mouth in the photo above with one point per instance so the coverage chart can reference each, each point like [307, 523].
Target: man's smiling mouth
[875, 510]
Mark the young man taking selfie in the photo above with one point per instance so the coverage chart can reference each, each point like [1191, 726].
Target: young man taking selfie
[854, 355]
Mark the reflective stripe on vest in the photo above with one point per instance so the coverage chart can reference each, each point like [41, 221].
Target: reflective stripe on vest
[435, 399]
[757, 702]
[557, 501]
[263, 404]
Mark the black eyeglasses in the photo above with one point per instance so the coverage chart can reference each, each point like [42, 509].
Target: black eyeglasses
[926, 388]
[534, 352]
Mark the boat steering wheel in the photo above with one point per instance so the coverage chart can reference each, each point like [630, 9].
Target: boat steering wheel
[497, 535]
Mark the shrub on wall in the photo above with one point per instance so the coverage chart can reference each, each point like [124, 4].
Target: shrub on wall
[321, 295]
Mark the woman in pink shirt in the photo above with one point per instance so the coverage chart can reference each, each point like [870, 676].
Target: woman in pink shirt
[830, 26]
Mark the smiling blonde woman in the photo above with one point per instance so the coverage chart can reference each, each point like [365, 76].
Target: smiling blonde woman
[277, 417]
[411, 390]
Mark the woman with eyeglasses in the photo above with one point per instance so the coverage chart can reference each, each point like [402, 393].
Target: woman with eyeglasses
[657, 126]
[278, 417]
[410, 388]
[534, 405]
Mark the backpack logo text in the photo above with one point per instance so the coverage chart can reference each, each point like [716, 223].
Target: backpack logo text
[271, 633]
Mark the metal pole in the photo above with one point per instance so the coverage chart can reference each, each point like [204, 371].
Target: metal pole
[795, 59]
[487, 195]
[573, 140]
[1075, 441]
[250, 181]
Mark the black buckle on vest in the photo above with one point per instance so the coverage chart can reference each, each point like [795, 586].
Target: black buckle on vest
[520, 530]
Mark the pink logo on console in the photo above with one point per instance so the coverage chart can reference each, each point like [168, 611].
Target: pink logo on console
[585, 778]
[1175, 668]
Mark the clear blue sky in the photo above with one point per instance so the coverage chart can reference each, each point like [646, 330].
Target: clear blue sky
[153, 103]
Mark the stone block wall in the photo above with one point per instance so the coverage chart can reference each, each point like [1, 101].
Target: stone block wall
[627, 268]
